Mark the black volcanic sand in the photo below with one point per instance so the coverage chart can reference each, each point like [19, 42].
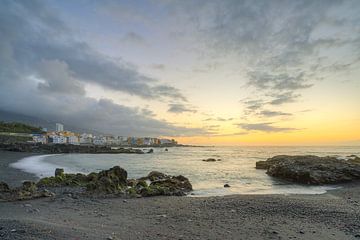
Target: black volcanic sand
[12, 176]
[334, 215]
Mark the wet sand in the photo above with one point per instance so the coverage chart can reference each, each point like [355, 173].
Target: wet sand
[334, 215]
[12, 176]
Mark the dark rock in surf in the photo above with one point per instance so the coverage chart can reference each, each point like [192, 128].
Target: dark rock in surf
[311, 169]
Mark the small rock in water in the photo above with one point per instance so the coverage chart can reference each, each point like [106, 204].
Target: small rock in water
[226, 185]
[13, 230]
[209, 160]
[301, 232]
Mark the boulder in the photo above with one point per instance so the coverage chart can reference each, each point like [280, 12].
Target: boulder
[4, 187]
[29, 186]
[113, 180]
[177, 185]
[59, 172]
[311, 169]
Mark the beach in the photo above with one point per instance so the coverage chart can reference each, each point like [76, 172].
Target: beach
[333, 215]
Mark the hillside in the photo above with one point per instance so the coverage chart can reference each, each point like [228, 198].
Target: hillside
[15, 127]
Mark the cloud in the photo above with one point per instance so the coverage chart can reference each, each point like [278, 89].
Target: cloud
[180, 108]
[219, 119]
[133, 38]
[29, 39]
[55, 77]
[264, 127]
[158, 66]
[268, 113]
[43, 70]
[281, 98]
[278, 82]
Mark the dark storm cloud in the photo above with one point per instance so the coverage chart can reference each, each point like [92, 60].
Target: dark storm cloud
[180, 108]
[264, 127]
[43, 71]
[31, 33]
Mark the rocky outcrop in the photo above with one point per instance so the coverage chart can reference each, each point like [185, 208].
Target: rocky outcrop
[27, 191]
[4, 187]
[162, 184]
[65, 148]
[311, 169]
[114, 181]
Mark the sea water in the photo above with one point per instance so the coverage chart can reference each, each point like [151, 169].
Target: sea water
[236, 168]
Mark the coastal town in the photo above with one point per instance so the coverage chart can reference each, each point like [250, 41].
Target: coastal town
[62, 136]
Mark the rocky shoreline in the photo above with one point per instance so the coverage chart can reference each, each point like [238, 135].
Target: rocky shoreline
[312, 169]
[66, 148]
[106, 183]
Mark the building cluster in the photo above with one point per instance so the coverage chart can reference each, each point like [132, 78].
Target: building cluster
[60, 136]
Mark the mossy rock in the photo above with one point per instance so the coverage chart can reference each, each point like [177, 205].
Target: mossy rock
[4, 187]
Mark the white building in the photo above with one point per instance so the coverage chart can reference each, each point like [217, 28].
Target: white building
[100, 140]
[86, 138]
[38, 138]
[59, 127]
[74, 140]
[56, 139]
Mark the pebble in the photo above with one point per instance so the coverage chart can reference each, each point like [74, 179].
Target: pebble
[226, 185]
[13, 230]
[301, 232]
[125, 201]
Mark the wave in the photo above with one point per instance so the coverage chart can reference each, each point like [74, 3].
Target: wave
[36, 165]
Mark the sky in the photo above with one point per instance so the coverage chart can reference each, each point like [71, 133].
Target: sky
[211, 72]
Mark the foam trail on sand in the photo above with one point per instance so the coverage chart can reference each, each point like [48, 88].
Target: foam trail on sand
[36, 165]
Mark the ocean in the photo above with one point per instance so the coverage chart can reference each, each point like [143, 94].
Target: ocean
[236, 168]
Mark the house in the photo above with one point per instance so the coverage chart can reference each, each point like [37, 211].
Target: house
[39, 138]
[57, 139]
[73, 139]
[86, 139]
[100, 140]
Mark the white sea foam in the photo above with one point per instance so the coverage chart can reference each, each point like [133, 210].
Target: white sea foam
[36, 165]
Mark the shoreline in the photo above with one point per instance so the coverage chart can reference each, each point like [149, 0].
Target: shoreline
[47, 170]
[331, 215]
